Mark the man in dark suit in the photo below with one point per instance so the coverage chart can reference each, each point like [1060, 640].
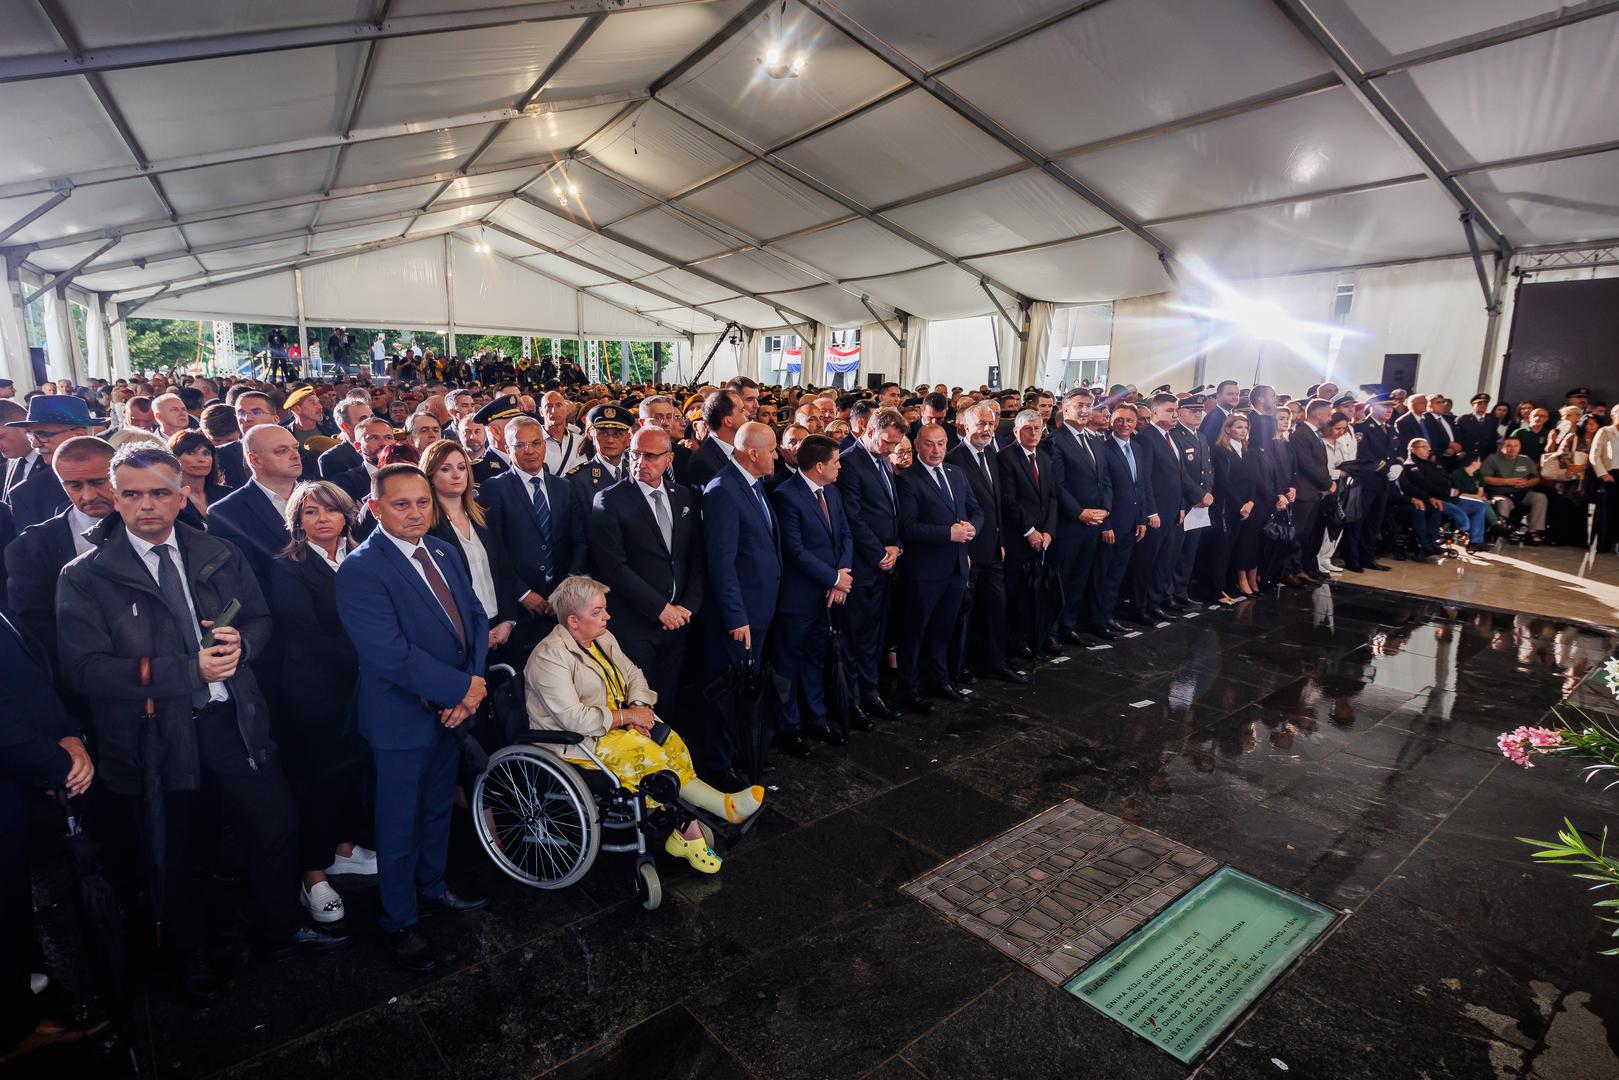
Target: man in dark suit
[938, 518]
[253, 409]
[1411, 424]
[866, 479]
[659, 411]
[40, 748]
[1158, 556]
[51, 421]
[817, 552]
[978, 646]
[35, 560]
[1084, 501]
[1197, 492]
[1439, 428]
[723, 415]
[351, 467]
[744, 572]
[19, 454]
[935, 409]
[1029, 486]
[253, 517]
[1314, 481]
[347, 454]
[1477, 430]
[1131, 516]
[151, 589]
[1374, 455]
[646, 545]
[422, 639]
[1226, 395]
[543, 524]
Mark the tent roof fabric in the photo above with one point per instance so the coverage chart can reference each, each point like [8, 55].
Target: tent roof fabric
[630, 165]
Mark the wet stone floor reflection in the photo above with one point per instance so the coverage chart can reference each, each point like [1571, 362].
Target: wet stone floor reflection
[1339, 744]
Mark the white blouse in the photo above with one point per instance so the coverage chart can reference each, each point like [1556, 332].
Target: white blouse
[483, 579]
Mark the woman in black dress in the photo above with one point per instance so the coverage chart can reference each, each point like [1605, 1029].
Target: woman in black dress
[1238, 480]
[199, 469]
[323, 759]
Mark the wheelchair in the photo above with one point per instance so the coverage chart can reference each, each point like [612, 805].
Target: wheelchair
[544, 819]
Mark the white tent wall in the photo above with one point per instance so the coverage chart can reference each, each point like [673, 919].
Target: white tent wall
[269, 299]
[1435, 309]
[403, 285]
[1231, 355]
[497, 296]
[1153, 343]
[960, 352]
[879, 354]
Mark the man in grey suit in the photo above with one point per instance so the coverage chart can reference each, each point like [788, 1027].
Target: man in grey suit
[1315, 482]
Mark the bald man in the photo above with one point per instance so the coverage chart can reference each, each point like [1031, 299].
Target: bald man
[253, 517]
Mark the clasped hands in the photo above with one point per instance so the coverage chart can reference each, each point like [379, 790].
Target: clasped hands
[453, 716]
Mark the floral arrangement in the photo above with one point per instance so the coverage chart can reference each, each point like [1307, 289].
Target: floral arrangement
[1599, 745]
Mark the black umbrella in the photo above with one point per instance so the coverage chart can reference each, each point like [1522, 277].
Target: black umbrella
[152, 751]
[749, 698]
[1045, 594]
[103, 922]
[835, 678]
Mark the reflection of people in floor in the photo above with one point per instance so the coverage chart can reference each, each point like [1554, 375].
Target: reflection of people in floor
[579, 680]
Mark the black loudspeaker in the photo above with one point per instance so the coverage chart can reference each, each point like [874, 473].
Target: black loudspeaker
[875, 380]
[1400, 370]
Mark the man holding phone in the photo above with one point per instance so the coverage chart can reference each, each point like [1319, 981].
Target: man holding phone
[149, 600]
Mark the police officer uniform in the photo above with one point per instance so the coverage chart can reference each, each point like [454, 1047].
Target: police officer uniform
[593, 474]
[492, 464]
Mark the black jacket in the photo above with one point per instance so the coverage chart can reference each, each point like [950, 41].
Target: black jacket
[1160, 454]
[985, 548]
[32, 722]
[1025, 505]
[1312, 477]
[1238, 478]
[232, 461]
[628, 555]
[1424, 480]
[33, 563]
[38, 498]
[1197, 473]
[873, 511]
[109, 614]
[501, 568]
[318, 665]
[706, 462]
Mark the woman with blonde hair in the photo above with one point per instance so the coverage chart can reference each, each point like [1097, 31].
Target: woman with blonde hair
[578, 679]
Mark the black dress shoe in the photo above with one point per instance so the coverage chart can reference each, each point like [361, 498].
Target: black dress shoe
[948, 693]
[919, 705]
[1071, 637]
[828, 736]
[859, 720]
[1118, 627]
[966, 678]
[1050, 647]
[411, 951]
[732, 780]
[792, 743]
[1023, 651]
[1155, 615]
[1354, 568]
[1017, 678]
[452, 904]
[877, 707]
[308, 939]
[1106, 633]
[1378, 566]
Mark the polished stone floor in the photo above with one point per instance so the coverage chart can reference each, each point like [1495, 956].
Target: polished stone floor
[1563, 582]
[1339, 744]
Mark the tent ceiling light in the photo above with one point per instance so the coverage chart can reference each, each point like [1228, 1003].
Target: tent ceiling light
[777, 67]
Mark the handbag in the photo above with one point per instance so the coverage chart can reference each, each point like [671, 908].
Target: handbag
[1280, 526]
[1551, 467]
[1353, 503]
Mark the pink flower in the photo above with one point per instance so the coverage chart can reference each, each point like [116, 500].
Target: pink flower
[1520, 743]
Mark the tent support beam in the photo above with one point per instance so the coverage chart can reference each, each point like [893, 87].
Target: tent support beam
[1017, 325]
[34, 215]
[729, 328]
[145, 54]
[113, 174]
[303, 318]
[886, 224]
[60, 280]
[651, 253]
[899, 338]
[1383, 111]
[942, 93]
[1478, 261]
[1529, 28]
[356, 99]
[575, 260]
[1492, 331]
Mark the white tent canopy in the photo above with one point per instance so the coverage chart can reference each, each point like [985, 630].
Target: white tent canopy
[633, 170]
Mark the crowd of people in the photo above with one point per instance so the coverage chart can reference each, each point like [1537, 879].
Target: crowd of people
[272, 604]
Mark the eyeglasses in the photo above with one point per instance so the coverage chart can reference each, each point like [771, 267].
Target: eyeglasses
[35, 435]
[647, 455]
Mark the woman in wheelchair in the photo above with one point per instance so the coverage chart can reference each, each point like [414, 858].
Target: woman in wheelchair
[579, 680]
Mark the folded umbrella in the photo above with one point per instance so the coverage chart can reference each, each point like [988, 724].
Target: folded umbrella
[153, 749]
[835, 679]
[103, 921]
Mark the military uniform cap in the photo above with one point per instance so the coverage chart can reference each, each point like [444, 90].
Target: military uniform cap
[610, 416]
[298, 395]
[503, 407]
[1476, 398]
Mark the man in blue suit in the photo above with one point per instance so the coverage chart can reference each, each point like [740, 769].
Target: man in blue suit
[1158, 557]
[744, 571]
[1130, 473]
[421, 635]
[253, 517]
[870, 496]
[1084, 501]
[939, 516]
[542, 519]
[817, 551]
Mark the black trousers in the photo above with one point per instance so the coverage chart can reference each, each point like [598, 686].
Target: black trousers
[928, 611]
[981, 628]
[867, 620]
[1078, 550]
[661, 656]
[1310, 526]
[1186, 563]
[259, 803]
[1152, 567]
[1113, 563]
[1361, 537]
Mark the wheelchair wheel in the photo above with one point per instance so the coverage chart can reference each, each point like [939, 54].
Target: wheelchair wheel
[535, 818]
[648, 888]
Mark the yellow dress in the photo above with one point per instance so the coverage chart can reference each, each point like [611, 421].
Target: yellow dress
[630, 755]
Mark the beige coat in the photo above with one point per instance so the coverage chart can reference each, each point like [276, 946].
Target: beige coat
[566, 692]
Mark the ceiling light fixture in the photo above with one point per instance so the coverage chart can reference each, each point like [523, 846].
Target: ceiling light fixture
[775, 64]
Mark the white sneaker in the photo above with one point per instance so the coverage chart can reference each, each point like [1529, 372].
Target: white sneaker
[38, 981]
[363, 862]
[322, 902]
